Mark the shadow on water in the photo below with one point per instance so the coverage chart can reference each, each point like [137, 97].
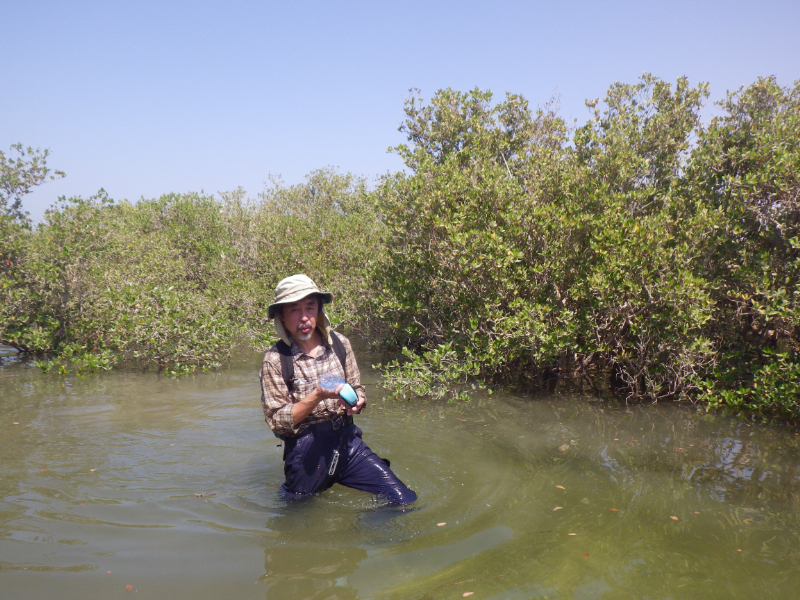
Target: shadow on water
[171, 486]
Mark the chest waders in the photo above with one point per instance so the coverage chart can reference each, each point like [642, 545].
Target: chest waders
[333, 451]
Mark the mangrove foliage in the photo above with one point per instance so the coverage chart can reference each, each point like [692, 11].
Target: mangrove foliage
[647, 252]
[176, 282]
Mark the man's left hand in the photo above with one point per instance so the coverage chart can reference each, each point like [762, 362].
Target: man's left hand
[352, 410]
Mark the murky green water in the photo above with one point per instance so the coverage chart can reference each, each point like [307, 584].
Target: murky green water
[100, 478]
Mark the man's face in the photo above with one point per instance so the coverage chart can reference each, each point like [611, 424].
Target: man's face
[300, 318]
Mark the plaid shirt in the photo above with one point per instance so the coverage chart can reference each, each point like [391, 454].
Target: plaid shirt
[277, 400]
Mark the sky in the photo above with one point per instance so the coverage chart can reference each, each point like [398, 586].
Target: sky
[146, 98]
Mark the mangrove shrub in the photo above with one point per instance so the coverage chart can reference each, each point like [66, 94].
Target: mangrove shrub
[175, 282]
[642, 251]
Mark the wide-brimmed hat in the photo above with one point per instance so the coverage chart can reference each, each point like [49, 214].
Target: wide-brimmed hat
[294, 289]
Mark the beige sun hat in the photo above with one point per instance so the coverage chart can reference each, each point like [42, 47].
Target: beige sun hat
[294, 289]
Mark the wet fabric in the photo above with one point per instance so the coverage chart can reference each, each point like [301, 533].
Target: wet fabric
[311, 466]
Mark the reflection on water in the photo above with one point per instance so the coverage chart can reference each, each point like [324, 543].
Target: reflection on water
[386, 572]
[170, 486]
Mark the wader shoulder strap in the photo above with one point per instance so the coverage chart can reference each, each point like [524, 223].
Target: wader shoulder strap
[338, 348]
[287, 362]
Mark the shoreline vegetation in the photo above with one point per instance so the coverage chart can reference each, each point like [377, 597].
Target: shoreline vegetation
[646, 253]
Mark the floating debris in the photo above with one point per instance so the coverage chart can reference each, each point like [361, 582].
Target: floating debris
[474, 579]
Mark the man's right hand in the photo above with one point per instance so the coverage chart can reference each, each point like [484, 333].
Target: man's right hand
[300, 410]
[328, 393]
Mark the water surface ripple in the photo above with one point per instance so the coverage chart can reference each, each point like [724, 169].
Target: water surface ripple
[169, 486]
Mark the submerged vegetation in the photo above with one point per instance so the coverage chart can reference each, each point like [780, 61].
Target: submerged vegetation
[644, 251]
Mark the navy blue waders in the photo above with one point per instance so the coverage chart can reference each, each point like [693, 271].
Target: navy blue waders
[333, 452]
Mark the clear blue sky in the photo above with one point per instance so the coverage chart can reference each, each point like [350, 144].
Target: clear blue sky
[144, 98]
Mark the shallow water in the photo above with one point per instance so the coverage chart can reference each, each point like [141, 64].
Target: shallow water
[101, 476]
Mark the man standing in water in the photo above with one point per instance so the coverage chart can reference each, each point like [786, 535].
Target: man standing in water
[322, 445]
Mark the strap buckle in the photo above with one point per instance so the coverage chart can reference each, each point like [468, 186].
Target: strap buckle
[334, 462]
